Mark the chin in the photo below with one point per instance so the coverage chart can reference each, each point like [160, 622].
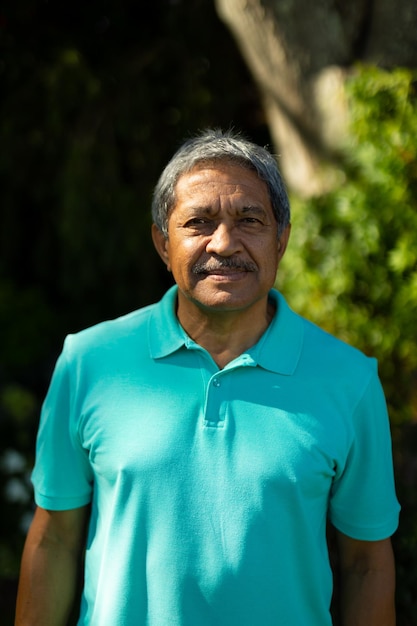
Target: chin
[224, 302]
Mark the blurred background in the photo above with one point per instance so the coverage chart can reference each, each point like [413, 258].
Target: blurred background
[94, 99]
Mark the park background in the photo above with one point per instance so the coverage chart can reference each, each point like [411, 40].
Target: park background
[95, 98]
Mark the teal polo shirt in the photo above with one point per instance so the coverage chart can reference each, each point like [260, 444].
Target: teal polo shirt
[210, 489]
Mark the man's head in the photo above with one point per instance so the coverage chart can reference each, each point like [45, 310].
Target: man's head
[221, 224]
[216, 146]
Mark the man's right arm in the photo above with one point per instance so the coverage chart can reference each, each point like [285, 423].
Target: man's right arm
[50, 565]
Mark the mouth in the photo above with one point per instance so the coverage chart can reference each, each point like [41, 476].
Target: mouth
[221, 276]
[224, 269]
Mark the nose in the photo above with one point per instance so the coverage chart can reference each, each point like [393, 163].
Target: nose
[223, 241]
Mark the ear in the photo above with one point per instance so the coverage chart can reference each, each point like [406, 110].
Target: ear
[283, 241]
[161, 244]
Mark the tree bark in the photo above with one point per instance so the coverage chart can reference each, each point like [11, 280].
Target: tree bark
[299, 53]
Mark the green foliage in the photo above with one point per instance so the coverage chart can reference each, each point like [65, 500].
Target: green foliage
[352, 262]
[352, 268]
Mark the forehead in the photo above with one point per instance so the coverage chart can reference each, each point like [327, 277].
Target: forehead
[218, 179]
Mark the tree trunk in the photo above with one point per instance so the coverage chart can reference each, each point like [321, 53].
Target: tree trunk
[299, 53]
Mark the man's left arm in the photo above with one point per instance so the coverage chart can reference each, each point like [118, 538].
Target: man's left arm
[367, 593]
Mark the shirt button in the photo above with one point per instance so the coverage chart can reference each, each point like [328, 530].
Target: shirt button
[216, 382]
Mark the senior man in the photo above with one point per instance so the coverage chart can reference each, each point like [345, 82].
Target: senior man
[206, 441]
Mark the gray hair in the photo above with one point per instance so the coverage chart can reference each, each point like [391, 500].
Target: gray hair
[214, 145]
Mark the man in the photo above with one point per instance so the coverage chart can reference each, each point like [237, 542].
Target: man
[207, 440]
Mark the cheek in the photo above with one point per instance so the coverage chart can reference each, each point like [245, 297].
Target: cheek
[186, 252]
[180, 258]
[269, 258]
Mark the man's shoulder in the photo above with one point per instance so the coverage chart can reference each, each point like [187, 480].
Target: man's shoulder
[333, 354]
[321, 349]
[110, 333]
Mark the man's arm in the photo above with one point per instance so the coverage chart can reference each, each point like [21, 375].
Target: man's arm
[49, 567]
[367, 573]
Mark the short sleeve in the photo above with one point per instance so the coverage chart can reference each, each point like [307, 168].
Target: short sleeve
[62, 476]
[363, 501]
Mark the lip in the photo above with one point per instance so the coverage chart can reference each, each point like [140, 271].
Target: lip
[226, 276]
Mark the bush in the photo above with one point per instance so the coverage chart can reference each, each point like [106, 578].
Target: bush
[352, 268]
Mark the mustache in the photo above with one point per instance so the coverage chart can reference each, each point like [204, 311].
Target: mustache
[219, 264]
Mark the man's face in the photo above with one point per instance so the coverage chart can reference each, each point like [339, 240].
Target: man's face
[222, 247]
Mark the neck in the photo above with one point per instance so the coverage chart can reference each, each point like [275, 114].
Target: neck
[225, 334]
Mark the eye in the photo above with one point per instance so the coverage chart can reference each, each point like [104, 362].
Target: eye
[198, 225]
[196, 221]
[252, 215]
[251, 220]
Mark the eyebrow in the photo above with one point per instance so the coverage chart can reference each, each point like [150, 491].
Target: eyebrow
[252, 209]
[207, 210]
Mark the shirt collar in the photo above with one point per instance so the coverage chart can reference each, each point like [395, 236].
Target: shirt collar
[166, 334]
[278, 349]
